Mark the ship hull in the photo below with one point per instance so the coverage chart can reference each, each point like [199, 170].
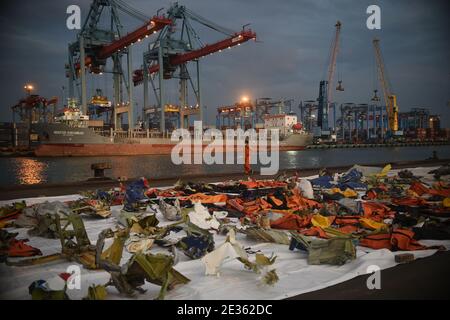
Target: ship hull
[118, 149]
[111, 149]
[57, 140]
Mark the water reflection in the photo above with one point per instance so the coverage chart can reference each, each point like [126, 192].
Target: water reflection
[292, 157]
[30, 171]
[57, 170]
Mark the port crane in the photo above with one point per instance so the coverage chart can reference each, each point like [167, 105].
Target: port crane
[325, 86]
[176, 46]
[96, 43]
[390, 98]
[35, 108]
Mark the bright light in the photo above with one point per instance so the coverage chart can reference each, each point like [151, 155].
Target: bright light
[28, 87]
[244, 99]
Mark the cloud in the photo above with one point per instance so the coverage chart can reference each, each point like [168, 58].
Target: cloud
[289, 61]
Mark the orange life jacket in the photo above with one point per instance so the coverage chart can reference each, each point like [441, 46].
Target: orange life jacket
[252, 184]
[290, 221]
[377, 241]
[376, 211]
[402, 239]
[18, 248]
[276, 201]
[11, 215]
[297, 202]
[409, 201]
[204, 198]
[236, 204]
[420, 189]
[348, 228]
[399, 239]
[347, 220]
[316, 232]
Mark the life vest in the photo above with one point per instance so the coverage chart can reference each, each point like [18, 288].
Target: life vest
[437, 190]
[348, 229]
[419, 188]
[277, 202]
[409, 201]
[297, 202]
[377, 241]
[347, 220]
[376, 211]
[371, 224]
[204, 198]
[446, 202]
[402, 239]
[236, 204]
[253, 184]
[290, 221]
[10, 215]
[315, 232]
[371, 194]
[18, 248]
[399, 239]
[318, 220]
[348, 193]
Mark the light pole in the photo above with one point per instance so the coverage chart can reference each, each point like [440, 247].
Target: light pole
[28, 88]
[244, 99]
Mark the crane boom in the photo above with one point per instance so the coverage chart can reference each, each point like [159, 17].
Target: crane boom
[178, 59]
[325, 85]
[333, 57]
[390, 99]
[154, 25]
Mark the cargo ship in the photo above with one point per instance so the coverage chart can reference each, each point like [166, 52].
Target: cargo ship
[70, 135]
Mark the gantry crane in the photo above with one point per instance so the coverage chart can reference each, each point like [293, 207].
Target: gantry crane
[326, 85]
[390, 98]
[35, 108]
[177, 45]
[96, 43]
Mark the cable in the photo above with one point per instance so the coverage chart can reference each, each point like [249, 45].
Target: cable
[339, 58]
[136, 13]
[131, 11]
[209, 23]
[328, 60]
[192, 32]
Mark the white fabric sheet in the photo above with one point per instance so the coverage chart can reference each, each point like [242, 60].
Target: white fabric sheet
[295, 275]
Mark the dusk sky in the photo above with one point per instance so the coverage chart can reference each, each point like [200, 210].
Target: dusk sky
[287, 62]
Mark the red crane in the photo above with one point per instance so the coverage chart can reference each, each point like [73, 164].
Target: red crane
[154, 25]
[106, 51]
[178, 59]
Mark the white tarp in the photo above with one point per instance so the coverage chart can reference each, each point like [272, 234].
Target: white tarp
[295, 275]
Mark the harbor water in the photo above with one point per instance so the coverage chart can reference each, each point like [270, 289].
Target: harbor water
[28, 170]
